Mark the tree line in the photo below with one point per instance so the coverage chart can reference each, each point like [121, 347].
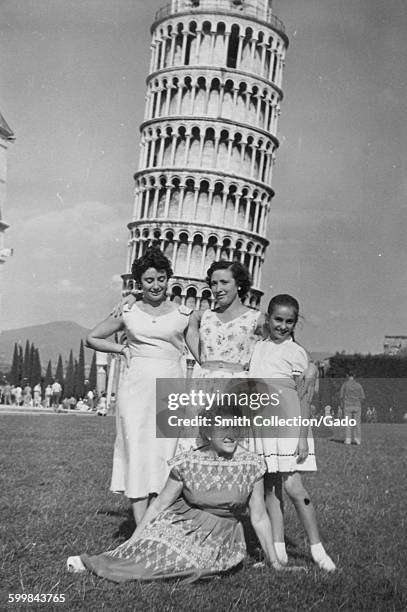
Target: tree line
[383, 377]
[26, 370]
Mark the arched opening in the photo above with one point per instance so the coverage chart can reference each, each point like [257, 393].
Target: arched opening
[169, 245]
[189, 198]
[190, 300]
[220, 42]
[196, 256]
[195, 148]
[190, 39]
[233, 47]
[210, 252]
[200, 97]
[182, 254]
[206, 300]
[203, 211]
[225, 252]
[176, 296]
[217, 204]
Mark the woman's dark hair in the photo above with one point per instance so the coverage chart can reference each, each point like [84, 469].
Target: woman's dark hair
[239, 272]
[152, 258]
[284, 300]
[219, 411]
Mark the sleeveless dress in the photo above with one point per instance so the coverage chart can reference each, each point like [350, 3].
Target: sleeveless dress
[231, 342]
[278, 363]
[156, 345]
[200, 533]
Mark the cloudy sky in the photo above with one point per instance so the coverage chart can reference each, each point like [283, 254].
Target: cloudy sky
[72, 89]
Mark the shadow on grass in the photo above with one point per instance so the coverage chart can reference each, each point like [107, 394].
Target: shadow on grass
[126, 528]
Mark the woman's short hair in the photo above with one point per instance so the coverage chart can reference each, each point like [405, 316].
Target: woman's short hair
[219, 417]
[152, 258]
[239, 272]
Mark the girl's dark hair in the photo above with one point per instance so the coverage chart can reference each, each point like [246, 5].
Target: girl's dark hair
[239, 272]
[152, 258]
[284, 299]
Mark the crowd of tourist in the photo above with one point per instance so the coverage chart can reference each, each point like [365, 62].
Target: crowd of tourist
[52, 396]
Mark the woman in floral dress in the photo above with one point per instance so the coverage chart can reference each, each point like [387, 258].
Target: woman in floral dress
[228, 333]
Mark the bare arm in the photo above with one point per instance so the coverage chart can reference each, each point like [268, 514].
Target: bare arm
[171, 491]
[192, 334]
[261, 523]
[97, 338]
[305, 389]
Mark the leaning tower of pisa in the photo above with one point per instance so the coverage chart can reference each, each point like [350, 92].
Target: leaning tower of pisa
[208, 140]
[6, 136]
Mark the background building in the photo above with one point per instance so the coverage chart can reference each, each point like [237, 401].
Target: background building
[208, 141]
[393, 345]
[6, 136]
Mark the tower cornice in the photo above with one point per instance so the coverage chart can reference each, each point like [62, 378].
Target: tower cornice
[272, 22]
[228, 72]
[214, 173]
[210, 121]
[196, 227]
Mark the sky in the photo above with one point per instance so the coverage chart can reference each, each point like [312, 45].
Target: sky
[72, 87]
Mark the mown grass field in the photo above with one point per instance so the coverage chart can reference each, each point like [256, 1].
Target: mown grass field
[55, 502]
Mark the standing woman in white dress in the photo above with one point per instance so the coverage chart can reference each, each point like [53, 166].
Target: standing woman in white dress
[155, 330]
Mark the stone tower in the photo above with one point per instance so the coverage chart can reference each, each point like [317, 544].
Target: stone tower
[208, 140]
[6, 136]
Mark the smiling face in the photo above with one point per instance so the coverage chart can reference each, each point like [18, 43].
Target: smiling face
[281, 322]
[224, 287]
[224, 440]
[154, 284]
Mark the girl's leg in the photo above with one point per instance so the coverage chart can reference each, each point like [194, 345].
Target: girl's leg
[273, 488]
[306, 513]
[139, 507]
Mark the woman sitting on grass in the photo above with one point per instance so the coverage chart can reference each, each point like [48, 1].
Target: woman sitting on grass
[193, 528]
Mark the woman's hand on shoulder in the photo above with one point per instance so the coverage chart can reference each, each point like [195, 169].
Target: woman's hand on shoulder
[127, 302]
[260, 327]
[185, 310]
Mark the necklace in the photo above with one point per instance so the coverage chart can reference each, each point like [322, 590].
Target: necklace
[158, 310]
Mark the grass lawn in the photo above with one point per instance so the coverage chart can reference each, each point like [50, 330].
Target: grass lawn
[55, 502]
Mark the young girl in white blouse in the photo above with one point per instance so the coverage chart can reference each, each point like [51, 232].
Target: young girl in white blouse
[280, 358]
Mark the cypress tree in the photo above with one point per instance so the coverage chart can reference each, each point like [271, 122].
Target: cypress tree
[31, 366]
[80, 373]
[15, 366]
[59, 374]
[92, 373]
[69, 377]
[20, 365]
[48, 375]
[36, 373]
[26, 365]
[75, 378]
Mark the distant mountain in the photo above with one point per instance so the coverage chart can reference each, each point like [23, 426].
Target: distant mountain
[60, 337]
[51, 339]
